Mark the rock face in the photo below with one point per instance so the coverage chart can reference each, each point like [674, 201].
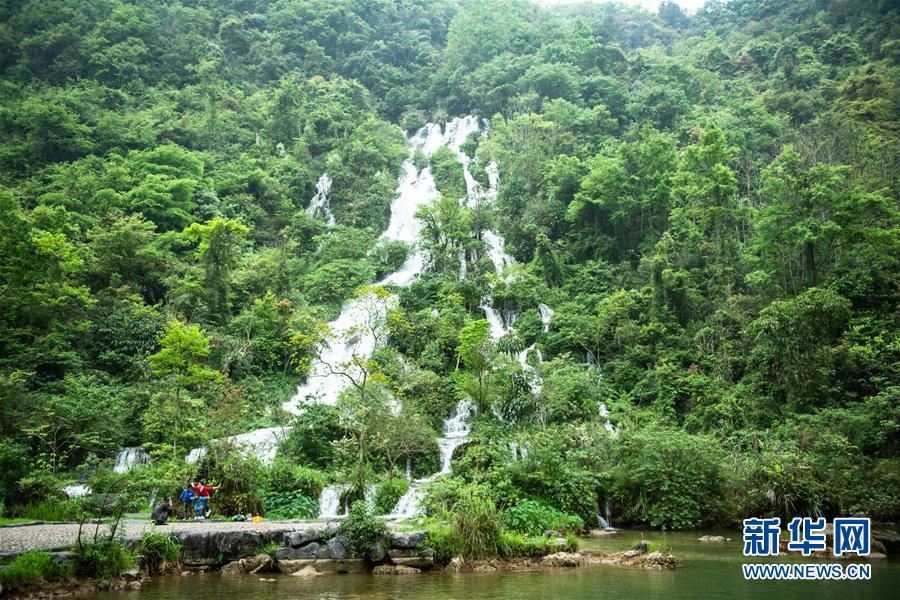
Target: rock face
[300, 549]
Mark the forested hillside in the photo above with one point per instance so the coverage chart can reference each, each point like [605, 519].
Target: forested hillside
[707, 202]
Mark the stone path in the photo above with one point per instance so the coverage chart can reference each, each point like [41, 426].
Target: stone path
[62, 535]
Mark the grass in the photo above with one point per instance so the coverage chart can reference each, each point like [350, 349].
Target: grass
[33, 566]
[271, 548]
[155, 549]
[13, 521]
[102, 559]
[53, 510]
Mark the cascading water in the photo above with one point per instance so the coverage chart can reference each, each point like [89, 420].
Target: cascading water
[415, 189]
[320, 204]
[261, 443]
[129, 457]
[456, 433]
[330, 501]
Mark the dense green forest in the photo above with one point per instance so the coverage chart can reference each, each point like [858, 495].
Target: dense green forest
[708, 201]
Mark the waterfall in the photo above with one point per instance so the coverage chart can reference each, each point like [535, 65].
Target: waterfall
[330, 501]
[604, 414]
[546, 316]
[129, 457]
[456, 433]
[261, 443]
[320, 204]
[415, 189]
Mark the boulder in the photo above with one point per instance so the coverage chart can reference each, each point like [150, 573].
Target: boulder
[890, 539]
[421, 559]
[309, 551]
[377, 552]
[563, 559]
[307, 571]
[407, 539]
[302, 537]
[232, 568]
[336, 548]
[324, 565]
[457, 563]
[255, 564]
[131, 575]
[394, 570]
[712, 538]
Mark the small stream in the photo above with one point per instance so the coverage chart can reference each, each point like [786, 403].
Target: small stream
[708, 570]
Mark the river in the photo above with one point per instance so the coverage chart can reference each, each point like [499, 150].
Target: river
[708, 570]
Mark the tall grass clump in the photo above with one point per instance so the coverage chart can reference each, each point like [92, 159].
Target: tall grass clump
[155, 550]
[477, 526]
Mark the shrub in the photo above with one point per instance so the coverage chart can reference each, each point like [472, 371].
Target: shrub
[33, 566]
[155, 549]
[443, 541]
[362, 529]
[535, 518]
[102, 558]
[309, 441]
[670, 478]
[387, 495]
[290, 505]
[476, 524]
[285, 476]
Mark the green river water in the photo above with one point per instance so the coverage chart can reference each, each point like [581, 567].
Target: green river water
[708, 570]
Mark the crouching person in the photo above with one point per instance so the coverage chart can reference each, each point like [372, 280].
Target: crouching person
[162, 512]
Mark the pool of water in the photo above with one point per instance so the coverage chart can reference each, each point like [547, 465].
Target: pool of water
[708, 570]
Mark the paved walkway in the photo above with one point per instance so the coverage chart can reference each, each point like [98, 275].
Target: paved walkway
[62, 535]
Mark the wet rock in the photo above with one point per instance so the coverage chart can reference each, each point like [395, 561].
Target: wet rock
[712, 538]
[394, 570]
[641, 547]
[657, 560]
[131, 575]
[324, 565]
[489, 567]
[421, 559]
[563, 559]
[407, 539]
[457, 563]
[232, 568]
[307, 571]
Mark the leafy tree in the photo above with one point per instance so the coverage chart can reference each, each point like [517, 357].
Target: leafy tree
[180, 364]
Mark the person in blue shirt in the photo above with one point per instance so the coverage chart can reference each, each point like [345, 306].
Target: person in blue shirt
[187, 501]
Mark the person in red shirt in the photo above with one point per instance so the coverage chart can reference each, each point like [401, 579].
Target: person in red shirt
[201, 504]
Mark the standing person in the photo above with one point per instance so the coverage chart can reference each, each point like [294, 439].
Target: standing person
[187, 501]
[201, 505]
[162, 512]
